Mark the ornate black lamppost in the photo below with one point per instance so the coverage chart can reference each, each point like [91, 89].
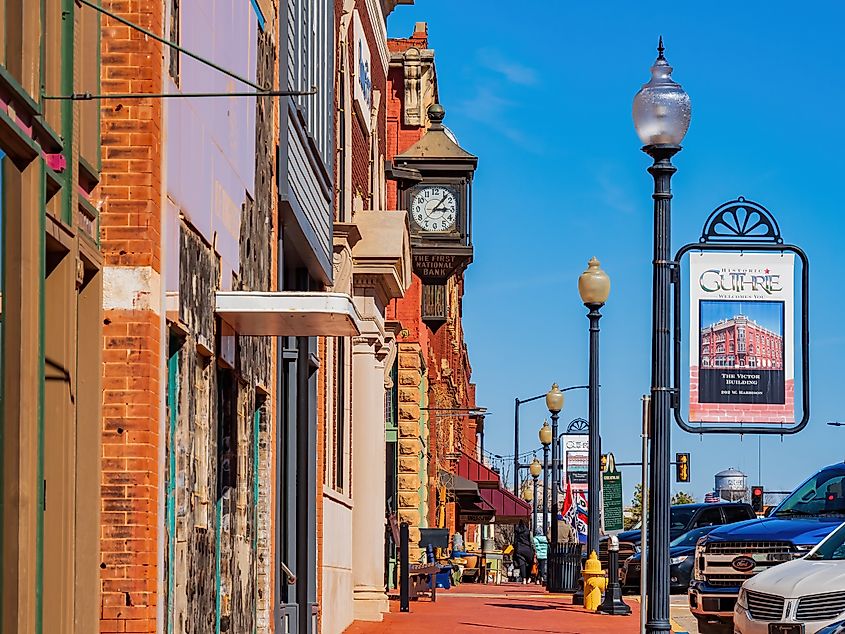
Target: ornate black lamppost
[546, 440]
[534, 469]
[554, 403]
[661, 117]
[594, 288]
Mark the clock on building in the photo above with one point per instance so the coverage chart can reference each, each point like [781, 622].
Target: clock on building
[434, 208]
[437, 175]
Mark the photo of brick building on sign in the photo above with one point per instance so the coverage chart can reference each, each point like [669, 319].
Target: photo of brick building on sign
[740, 342]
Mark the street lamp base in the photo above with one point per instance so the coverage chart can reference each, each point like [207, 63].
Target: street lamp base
[613, 603]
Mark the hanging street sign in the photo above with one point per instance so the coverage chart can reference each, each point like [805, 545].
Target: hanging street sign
[575, 450]
[748, 335]
[611, 486]
[742, 342]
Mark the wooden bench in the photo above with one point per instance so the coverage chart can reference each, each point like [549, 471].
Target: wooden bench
[422, 580]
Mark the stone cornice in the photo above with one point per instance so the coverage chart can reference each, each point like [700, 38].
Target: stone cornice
[382, 258]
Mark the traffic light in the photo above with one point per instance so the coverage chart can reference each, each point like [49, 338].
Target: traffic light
[682, 467]
[757, 499]
[603, 463]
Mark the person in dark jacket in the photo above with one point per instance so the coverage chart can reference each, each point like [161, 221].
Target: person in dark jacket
[523, 550]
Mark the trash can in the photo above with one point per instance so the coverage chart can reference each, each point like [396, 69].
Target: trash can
[564, 573]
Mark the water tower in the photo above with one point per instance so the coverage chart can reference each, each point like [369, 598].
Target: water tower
[732, 485]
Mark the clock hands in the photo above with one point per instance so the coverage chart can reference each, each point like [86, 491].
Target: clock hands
[437, 207]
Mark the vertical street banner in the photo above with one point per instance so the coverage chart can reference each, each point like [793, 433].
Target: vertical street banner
[742, 340]
[575, 456]
[574, 475]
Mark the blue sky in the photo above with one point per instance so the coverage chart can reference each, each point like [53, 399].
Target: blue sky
[767, 314]
[541, 92]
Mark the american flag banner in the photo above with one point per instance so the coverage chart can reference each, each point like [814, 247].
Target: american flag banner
[581, 516]
[711, 498]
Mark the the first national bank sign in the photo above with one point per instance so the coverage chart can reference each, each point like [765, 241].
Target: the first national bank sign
[363, 77]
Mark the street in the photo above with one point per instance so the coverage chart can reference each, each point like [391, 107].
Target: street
[682, 618]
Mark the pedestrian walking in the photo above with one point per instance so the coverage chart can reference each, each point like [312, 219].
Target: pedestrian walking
[523, 550]
[541, 549]
[566, 533]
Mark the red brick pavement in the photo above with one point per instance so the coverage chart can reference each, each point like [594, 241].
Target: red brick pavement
[505, 608]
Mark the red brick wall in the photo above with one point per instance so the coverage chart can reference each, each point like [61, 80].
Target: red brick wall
[130, 195]
[361, 139]
[446, 389]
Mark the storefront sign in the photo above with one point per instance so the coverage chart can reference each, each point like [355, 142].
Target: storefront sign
[362, 70]
[742, 353]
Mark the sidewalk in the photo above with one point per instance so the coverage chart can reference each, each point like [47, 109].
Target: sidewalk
[505, 608]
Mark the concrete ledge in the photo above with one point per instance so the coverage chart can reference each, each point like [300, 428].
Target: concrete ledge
[288, 313]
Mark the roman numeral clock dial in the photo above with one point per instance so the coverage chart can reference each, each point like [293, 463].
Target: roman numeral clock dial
[435, 208]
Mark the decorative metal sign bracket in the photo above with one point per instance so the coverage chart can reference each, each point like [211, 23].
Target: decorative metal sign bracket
[742, 226]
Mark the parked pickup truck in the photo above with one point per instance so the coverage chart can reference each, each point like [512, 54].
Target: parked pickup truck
[686, 517]
[728, 555]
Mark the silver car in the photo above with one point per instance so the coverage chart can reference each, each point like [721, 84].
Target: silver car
[804, 596]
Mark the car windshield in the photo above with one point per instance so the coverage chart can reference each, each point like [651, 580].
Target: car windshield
[680, 516]
[823, 494]
[691, 537]
[832, 548]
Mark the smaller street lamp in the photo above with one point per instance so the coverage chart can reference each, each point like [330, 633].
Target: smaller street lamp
[594, 288]
[554, 403]
[534, 469]
[546, 440]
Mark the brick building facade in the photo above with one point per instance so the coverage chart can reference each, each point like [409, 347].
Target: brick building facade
[187, 211]
[435, 394]
[740, 342]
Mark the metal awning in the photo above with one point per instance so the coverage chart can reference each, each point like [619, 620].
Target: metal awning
[481, 474]
[509, 509]
[460, 486]
[289, 313]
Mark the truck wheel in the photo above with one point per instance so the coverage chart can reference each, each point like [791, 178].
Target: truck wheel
[714, 628]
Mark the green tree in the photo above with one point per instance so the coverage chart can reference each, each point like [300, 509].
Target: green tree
[636, 509]
[682, 498]
[635, 514]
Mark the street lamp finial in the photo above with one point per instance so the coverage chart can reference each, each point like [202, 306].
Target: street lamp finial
[660, 48]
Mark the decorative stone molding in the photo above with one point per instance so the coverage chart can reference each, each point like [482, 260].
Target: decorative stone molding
[346, 236]
[418, 71]
[382, 257]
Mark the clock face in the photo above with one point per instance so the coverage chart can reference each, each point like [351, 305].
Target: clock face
[435, 208]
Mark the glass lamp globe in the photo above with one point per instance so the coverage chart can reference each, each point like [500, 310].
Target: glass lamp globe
[554, 399]
[661, 107]
[535, 468]
[594, 284]
[528, 494]
[545, 434]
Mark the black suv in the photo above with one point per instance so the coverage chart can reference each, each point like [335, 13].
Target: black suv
[685, 517]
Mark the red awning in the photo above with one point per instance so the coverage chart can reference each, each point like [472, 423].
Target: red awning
[509, 508]
[482, 475]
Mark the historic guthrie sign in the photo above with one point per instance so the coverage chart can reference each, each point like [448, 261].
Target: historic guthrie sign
[741, 345]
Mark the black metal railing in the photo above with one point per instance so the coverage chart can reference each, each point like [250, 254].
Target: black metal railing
[564, 573]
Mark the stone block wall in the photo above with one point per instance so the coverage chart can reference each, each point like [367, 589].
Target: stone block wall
[413, 498]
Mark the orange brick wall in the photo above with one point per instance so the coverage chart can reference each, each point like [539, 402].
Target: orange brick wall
[130, 199]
